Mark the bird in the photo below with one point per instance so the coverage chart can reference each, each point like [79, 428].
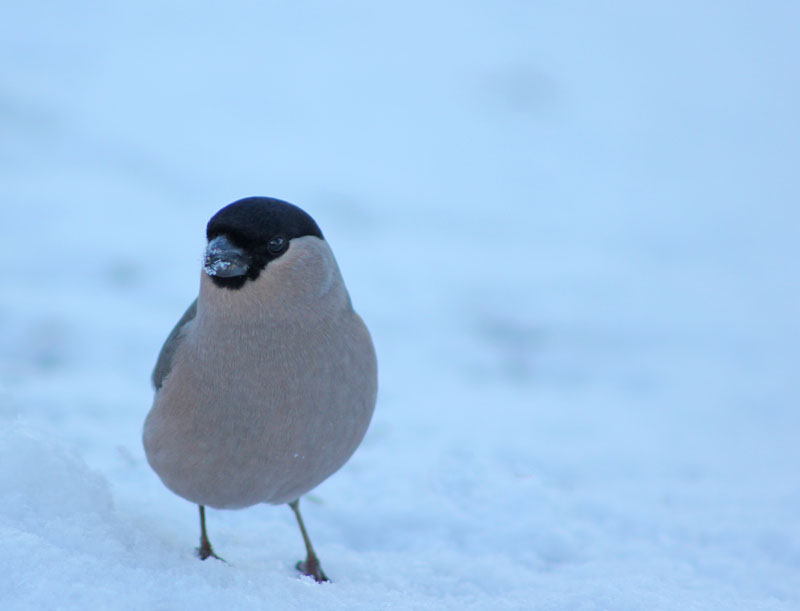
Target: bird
[268, 382]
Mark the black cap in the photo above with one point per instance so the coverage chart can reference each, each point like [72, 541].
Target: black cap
[256, 225]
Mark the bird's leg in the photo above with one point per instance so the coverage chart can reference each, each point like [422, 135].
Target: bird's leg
[205, 550]
[310, 566]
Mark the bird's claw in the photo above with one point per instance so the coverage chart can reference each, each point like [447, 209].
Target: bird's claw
[204, 552]
[313, 569]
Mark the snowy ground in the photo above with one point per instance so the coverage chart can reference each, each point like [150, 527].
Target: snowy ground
[572, 229]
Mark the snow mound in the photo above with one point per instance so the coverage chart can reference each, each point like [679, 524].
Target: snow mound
[44, 483]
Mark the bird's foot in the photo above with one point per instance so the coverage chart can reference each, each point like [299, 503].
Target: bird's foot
[204, 552]
[312, 568]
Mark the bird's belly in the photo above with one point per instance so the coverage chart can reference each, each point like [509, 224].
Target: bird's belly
[218, 439]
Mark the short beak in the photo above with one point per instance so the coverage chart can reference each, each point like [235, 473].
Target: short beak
[224, 259]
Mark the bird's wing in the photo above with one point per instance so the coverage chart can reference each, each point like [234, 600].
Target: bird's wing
[164, 362]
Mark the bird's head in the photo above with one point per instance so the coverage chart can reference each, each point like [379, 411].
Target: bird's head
[245, 237]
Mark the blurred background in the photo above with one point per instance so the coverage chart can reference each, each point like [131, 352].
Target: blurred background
[572, 229]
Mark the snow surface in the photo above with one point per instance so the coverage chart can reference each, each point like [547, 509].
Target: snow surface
[571, 227]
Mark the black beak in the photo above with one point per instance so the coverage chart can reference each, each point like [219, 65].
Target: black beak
[225, 260]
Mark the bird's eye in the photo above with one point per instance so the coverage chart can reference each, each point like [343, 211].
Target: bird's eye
[276, 244]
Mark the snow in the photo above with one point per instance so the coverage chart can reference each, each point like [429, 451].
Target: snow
[572, 229]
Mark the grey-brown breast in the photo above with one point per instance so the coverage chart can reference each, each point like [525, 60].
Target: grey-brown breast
[265, 391]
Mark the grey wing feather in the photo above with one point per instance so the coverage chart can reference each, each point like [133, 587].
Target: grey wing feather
[164, 362]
